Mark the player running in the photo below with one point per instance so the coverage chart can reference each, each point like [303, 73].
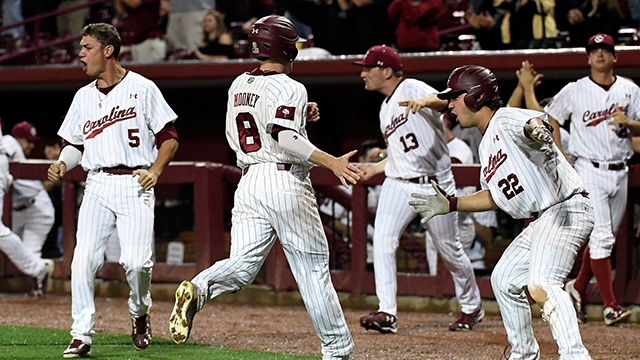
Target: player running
[266, 116]
[524, 174]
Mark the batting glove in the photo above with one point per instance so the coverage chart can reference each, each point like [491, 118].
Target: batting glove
[537, 130]
[432, 205]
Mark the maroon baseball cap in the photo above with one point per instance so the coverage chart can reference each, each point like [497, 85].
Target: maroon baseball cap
[381, 56]
[603, 41]
[25, 130]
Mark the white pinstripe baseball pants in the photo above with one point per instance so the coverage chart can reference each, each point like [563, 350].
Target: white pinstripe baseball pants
[393, 215]
[608, 192]
[541, 257]
[111, 200]
[272, 203]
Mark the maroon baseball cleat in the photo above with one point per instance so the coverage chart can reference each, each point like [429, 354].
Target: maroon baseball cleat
[77, 349]
[380, 321]
[141, 332]
[467, 321]
[614, 314]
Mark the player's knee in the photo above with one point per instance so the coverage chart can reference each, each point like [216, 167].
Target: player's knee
[538, 293]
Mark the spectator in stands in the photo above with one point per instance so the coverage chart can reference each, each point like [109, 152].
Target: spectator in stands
[592, 17]
[71, 23]
[329, 20]
[370, 25]
[245, 12]
[216, 42]
[11, 14]
[46, 26]
[519, 24]
[140, 29]
[417, 24]
[184, 29]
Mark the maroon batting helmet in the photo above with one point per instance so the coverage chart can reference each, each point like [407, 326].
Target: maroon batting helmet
[478, 82]
[274, 37]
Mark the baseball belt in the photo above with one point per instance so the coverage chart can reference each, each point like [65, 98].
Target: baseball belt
[422, 179]
[536, 214]
[280, 166]
[120, 170]
[610, 166]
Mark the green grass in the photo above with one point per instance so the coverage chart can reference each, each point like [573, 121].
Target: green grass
[21, 343]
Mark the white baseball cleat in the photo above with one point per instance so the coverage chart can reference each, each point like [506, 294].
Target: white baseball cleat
[184, 309]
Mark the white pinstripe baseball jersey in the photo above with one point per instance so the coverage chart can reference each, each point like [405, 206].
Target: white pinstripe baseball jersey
[522, 175]
[114, 128]
[255, 99]
[408, 156]
[588, 106]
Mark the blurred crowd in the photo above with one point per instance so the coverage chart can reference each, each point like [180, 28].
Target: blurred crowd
[158, 30]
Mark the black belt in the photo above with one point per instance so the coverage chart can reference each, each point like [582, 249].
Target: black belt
[120, 170]
[422, 179]
[537, 214]
[611, 166]
[25, 205]
[280, 166]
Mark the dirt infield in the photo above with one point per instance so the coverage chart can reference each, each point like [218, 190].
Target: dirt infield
[286, 329]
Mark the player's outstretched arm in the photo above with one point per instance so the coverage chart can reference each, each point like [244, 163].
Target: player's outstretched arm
[441, 203]
[149, 178]
[345, 171]
[430, 101]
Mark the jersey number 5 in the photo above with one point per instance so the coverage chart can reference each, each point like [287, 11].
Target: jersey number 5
[510, 186]
[248, 133]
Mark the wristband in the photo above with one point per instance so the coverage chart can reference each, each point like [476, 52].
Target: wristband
[453, 203]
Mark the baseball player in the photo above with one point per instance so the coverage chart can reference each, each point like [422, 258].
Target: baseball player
[526, 175]
[266, 116]
[23, 257]
[33, 212]
[603, 109]
[417, 152]
[120, 129]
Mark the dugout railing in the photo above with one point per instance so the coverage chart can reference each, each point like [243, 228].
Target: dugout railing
[213, 186]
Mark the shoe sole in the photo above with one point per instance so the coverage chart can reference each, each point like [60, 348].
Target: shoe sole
[76, 356]
[622, 316]
[179, 322]
[571, 290]
[462, 327]
[372, 325]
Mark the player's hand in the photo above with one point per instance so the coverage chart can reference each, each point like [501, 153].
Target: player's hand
[313, 113]
[536, 130]
[413, 105]
[527, 75]
[146, 178]
[56, 171]
[347, 172]
[430, 205]
[366, 171]
[618, 117]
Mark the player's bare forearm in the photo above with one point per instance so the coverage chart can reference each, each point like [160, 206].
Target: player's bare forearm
[149, 178]
[430, 101]
[370, 170]
[556, 133]
[346, 172]
[479, 201]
